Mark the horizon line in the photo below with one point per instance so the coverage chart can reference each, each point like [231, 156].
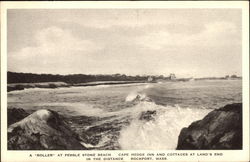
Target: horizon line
[125, 74]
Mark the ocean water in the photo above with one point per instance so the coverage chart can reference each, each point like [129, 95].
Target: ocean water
[109, 116]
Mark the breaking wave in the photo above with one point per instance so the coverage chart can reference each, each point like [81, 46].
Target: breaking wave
[138, 95]
[160, 133]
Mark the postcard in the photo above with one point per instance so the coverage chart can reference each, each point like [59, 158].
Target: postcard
[125, 81]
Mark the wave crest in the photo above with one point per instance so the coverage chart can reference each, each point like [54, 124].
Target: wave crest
[161, 132]
[137, 97]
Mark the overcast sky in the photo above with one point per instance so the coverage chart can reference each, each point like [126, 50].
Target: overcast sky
[187, 42]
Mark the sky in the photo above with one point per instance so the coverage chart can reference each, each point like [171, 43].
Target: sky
[187, 42]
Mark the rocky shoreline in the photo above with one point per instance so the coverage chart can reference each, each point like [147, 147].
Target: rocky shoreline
[47, 130]
[42, 130]
[220, 129]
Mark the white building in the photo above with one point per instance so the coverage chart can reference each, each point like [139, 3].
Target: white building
[150, 79]
[172, 76]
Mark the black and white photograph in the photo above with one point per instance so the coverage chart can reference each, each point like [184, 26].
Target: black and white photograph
[124, 79]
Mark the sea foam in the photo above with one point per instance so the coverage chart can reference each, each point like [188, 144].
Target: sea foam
[161, 133]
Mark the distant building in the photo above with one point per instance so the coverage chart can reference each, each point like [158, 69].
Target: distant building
[172, 76]
[150, 79]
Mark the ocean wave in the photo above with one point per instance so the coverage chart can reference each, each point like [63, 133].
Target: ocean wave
[160, 133]
[138, 95]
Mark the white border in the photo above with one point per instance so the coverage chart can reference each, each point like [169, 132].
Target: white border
[238, 155]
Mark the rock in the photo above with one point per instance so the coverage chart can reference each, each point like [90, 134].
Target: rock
[147, 115]
[14, 88]
[92, 132]
[42, 130]
[15, 115]
[220, 129]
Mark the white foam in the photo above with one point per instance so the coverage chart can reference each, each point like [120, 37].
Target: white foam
[43, 114]
[137, 95]
[161, 133]
[134, 96]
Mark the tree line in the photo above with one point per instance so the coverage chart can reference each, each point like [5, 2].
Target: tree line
[14, 77]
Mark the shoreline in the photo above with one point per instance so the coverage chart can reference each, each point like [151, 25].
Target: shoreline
[53, 85]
